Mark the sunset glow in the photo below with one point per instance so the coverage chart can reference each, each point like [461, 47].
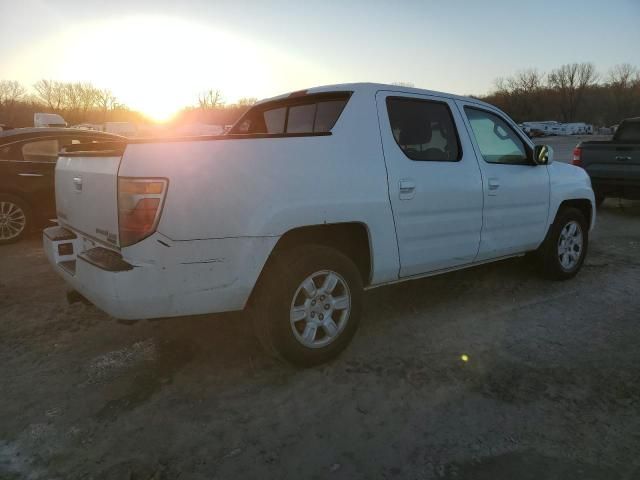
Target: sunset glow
[158, 65]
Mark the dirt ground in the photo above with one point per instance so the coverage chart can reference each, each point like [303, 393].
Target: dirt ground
[551, 388]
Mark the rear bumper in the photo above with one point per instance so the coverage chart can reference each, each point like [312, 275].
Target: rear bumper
[219, 275]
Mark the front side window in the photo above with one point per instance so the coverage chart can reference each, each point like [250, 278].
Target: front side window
[424, 129]
[315, 113]
[41, 151]
[497, 141]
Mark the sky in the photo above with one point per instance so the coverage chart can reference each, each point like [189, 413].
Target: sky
[157, 55]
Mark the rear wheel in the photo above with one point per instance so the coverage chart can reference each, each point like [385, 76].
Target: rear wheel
[565, 248]
[14, 219]
[308, 304]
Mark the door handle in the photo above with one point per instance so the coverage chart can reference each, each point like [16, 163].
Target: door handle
[494, 185]
[622, 158]
[77, 183]
[30, 175]
[407, 189]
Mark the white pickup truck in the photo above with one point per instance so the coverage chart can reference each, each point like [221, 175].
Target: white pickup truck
[309, 199]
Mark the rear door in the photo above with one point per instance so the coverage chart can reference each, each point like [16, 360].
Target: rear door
[516, 191]
[434, 181]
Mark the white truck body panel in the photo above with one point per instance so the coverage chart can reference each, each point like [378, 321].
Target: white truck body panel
[231, 199]
[83, 181]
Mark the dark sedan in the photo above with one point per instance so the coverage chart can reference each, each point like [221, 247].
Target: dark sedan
[27, 164]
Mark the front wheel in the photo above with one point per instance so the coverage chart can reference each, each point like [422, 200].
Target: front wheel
[565, 248]
[308, 304]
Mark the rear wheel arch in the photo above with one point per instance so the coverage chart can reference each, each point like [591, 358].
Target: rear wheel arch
[349, 238]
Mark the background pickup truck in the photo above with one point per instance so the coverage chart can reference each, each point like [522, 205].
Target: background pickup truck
[311, 198]
[614, 166]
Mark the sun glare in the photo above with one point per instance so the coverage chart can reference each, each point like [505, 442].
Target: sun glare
[158, 65]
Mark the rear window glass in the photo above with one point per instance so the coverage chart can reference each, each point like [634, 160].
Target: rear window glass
[274, 120]
[301, 118]
[316, 113]
[628, 132]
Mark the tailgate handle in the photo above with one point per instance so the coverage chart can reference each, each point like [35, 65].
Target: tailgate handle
[622, 158]
[77, 182]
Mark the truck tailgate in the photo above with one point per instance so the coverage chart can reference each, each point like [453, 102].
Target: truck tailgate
[87, 195]
[611, 160]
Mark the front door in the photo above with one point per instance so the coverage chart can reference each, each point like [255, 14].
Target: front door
[434, 181]
[516, 190]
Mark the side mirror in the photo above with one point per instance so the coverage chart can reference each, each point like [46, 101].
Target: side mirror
[542, 155]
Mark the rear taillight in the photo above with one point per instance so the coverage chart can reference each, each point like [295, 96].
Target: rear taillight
[139, 207]
[577, 157]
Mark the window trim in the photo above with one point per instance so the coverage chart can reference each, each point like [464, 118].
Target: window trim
[529, 161]
[425, 100]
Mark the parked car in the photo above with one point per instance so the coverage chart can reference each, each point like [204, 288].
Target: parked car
[614, 166]
[27, 162]
[311, 198]
[48, 120]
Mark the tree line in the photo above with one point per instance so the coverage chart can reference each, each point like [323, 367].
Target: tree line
[81, 102]
[571, 92]
[77, 102]
[574, 92]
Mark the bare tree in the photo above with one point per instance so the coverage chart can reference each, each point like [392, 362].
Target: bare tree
[10, 93]
[623, 75]
[72, 95]
[529, 81]
[246, 101]
[624, 86]
[89, 98]
[519, 93]
[210, 99]
[51, 93]
[106, 101]
[570, 82]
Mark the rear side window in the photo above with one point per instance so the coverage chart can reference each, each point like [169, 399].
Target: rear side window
[41, 151]
[314, 113]
[424, 129]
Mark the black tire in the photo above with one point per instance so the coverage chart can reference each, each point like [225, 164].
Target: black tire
[549, 253]
[12, 202]
[276, 295]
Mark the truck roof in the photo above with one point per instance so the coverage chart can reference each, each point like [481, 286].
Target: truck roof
[371, 88]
